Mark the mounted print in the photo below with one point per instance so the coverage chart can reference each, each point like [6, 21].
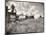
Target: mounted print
[23, 17]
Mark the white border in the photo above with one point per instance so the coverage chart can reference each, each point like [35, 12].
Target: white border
[2, 17]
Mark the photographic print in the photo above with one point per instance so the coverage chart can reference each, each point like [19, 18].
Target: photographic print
[23, 17]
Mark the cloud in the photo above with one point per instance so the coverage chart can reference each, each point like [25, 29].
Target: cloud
[27, 8]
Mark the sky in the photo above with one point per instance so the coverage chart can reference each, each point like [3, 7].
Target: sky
[28, 8]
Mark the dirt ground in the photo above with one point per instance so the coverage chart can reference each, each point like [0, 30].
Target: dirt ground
[26, 26]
